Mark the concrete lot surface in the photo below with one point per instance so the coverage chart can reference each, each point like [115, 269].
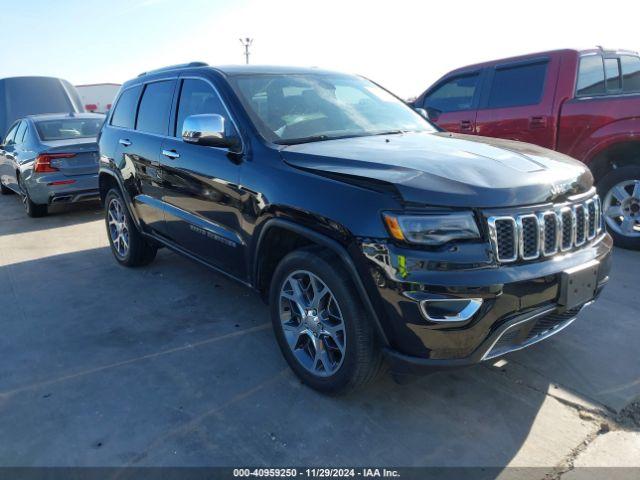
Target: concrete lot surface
[173, 364]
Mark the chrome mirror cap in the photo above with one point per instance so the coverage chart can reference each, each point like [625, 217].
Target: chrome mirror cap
[206, 129]
[422, 112]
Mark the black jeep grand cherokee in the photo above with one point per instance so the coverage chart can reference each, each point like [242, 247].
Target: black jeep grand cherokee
[371, 233]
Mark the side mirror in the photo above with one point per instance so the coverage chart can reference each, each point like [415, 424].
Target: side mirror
[422, 112]
[207, 130]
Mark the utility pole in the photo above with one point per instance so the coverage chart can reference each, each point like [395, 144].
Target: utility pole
[246, 43]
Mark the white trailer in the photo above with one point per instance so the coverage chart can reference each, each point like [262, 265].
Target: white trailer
[98, 97]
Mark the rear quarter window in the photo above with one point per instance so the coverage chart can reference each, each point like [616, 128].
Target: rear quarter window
[124, 113]
[518, 85]
[591, 76]
[630, 73]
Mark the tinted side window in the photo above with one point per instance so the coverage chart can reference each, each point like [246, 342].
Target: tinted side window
[155, 107]
[630, 73]
[518, 85]
[20, 133]
[591, 76]
[124, 115]
[612, 72]
[197, 97]
[454, 95]
[11, 135]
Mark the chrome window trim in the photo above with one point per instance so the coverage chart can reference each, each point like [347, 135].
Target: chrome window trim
[491, 221]
[520, 234]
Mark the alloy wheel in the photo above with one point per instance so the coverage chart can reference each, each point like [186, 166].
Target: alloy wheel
[118, 229]
[621, 208]
[312, 322]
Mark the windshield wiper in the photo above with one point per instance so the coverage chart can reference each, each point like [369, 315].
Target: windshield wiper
[315, 138]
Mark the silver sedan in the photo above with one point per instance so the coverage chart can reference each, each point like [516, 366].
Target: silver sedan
[51, 159]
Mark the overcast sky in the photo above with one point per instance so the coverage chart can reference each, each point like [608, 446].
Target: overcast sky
[404, 45]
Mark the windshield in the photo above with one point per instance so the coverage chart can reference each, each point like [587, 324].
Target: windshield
[289, 109]
[69, 128]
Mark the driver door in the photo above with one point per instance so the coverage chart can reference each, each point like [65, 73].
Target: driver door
[200, 185]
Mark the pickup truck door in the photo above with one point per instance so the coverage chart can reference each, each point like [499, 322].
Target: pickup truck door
[517, 102]
[451, 103]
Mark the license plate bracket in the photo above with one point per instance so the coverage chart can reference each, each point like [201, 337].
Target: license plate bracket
[578, 285]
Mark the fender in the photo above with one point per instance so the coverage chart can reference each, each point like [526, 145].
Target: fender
[619, 131]
[335, 247]
[125, 194]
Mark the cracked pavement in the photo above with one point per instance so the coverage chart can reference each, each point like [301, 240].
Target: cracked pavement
[173, 364]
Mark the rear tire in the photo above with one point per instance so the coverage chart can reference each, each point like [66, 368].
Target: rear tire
[33, 210]
[355, 359]
[128, 245]
[5, 190]
[619, 190]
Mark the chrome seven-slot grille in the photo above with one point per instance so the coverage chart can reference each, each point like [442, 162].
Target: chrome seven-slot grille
[529, 236]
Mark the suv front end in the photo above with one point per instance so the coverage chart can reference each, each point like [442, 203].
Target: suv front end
[460, 298]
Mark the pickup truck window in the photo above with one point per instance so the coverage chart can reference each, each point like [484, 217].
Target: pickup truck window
[454, 95]
[630, 73]
[612, 72]
[519, 85]
[590, 76]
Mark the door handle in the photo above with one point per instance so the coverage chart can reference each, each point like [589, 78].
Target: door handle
[125, 142]
[465, 125]
[172, 154]
[537, 122]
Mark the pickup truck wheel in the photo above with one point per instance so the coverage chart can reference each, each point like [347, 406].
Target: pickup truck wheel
[320, 324]
[128, 245]
[620, 193]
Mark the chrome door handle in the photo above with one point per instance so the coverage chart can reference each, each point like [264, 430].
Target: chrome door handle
[172, 154]
[124, 142]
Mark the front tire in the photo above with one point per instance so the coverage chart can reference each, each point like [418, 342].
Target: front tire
[321, 326]
[620, 193]
[128, 245]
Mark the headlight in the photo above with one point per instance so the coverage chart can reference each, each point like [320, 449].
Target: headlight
[432, 229]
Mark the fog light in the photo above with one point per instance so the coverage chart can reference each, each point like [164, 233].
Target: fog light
[445, 310]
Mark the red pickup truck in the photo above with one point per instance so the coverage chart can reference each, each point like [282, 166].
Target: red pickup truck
[584, 103]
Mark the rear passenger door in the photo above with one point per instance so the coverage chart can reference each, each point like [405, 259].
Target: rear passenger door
[451, 104]
[8, 157]
[201, 192]
[517, 103]
[142, 118]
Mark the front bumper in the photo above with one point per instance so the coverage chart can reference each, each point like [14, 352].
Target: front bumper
[520, 302]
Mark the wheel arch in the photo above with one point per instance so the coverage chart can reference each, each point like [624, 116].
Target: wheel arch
[614, 155]
[108, 180]
[263, 266]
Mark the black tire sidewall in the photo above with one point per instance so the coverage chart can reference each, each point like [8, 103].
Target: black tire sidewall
[356, 325]
[611, 179]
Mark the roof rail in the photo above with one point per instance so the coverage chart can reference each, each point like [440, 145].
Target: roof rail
[175, 67]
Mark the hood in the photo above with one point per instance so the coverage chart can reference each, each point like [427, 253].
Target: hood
[445, 169]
